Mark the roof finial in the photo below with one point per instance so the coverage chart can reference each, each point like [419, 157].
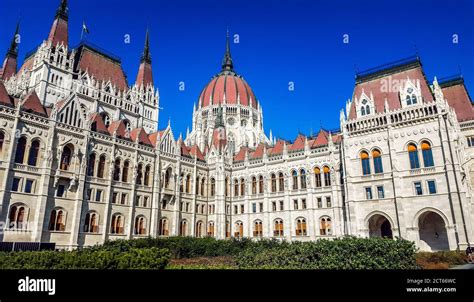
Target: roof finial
[62, 11]
[227, 63]
[146, 56]
[13, 50]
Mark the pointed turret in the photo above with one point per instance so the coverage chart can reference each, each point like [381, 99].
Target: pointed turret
[10, 63]
[227, 63]
[59, 32]
[145, 76]
[219, 137]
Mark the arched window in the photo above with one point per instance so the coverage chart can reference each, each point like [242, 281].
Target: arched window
[16, 219]
[281, 182]
[34, 151]
[294, 175]
[362, 110]
[408, 99]
[105, 118]
[196, 188]
[188, 184]
[181, 182]
[183, 228]
[367, 109]
[327, 176]
[414, 99]
[242, 187]
[210, 229]
[198, 230]
[56, 221]
[213, 187]
[66, 157]
[140, 225]
[2, 140]
[427, 154]
[274, 183]
[116, 225]
[257, 229]
[139, 174]
[163, 228]
[226, 187]
[91, 223]
[317, 177]
[260, 185]
[377, 158]
[236, 187]
[301, 227]
[117, 170]
[91, 165]
[227, 229]
[20, 150]
[126, 165]
[278, 228]
[146, 181]
[239, 229]
[325, 226]
[101, 168]
[413, 155]
[364, 157]
[254, 185]
[303, 179]
[167, 177]
[203, 185]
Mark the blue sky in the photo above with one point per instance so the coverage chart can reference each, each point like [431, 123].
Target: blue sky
[281, 41]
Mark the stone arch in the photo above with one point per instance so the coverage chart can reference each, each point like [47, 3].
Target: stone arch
[432, 230]
[379, 224]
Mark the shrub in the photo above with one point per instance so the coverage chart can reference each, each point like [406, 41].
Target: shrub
[342, 253]
[441, 259]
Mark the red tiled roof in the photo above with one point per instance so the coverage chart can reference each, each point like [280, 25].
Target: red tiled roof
[98, 123]
[240, 156]
[142, 136]
[101, 67]
[232, 86]
[33, 104]
[219, 139]
[298, 144]
[27, 64]
[278, 148]
[58, 32]
[258, 153]
[153, 137]
[195, 151]
[458, 98]
[9, 68]
[375, 86]
[185, 150]
[118, 127]
[145, 75]
[5, 98]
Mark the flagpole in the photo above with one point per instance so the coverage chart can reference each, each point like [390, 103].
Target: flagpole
[82, 30]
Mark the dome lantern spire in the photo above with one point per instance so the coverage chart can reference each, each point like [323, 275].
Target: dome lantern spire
[227, 63]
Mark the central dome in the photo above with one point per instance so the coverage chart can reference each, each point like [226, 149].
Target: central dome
[227, 88]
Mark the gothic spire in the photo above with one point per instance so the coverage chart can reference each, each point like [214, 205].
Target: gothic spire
[62, 11]
[146, 56]
[145, 75]
[8, 69]
[227, 61]
[13, 50]
[59, 30]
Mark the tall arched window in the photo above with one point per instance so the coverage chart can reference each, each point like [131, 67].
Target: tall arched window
[91, 165]
[188, 184]
[203, 185]
[16, 219]
[125, 168]
[260, 184]
[164, 228]
[101, 168]
[116, 225]
[56, 221]
[364, 157]
[20, 150]
[183, 228]
[140, 225]
[117, 170]
[274, 182]
[327, 176]
[34, 151]
[2, 140]
[198, 229]
[301, 227]
[181, 183]
[196, 188]
[139, 174]
[146, 180]
[91, 223]
[325, 226]
[281, 182]
[167, 177]
[210, 229]
[239, 229]
[377, 158]
[362, 110]
[317, 177]
[257, 228]
[294, 175]
[236, 187]
[66, 157]
[427, 154]
[213, 187]
[242, 187]
[413, 155]
[303, 178]
[278, 228]
[254, 185]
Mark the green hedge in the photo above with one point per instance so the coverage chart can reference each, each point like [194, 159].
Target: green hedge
[343, 253]
[93, 258]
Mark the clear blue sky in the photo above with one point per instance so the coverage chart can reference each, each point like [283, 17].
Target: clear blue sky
[280, 41]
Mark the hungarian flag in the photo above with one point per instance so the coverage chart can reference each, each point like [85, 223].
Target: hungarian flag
[84, 28]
